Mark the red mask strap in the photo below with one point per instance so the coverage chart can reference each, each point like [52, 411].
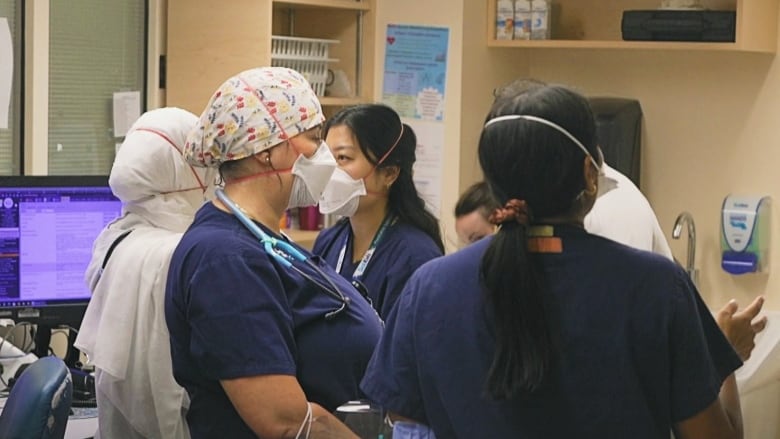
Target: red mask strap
[376, 194]
[389, 151]
[387, 154]
[182, 190]
[201, 186]
[258, 175]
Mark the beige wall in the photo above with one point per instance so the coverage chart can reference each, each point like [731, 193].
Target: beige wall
[440, 13]
[708, 124]
[483, 69]
[709, 130]
[472, 73]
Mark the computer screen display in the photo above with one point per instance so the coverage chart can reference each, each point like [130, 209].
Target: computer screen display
[47, 227]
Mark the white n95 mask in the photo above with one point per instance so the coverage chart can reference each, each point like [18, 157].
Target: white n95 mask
[311, 175]
[342, 194]
[605, 183]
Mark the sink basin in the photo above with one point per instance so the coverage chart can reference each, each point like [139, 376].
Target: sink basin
[763, 366]
[759, 383]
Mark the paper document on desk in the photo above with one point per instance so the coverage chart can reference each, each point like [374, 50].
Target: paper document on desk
[763, 366]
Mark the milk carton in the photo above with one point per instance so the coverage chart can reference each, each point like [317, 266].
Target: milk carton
[505, 17]
[540, 20]
[523, 19]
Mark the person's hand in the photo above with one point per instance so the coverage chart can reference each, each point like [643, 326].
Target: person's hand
[739, 327]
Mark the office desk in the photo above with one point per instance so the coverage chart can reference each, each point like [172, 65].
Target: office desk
[82, 424]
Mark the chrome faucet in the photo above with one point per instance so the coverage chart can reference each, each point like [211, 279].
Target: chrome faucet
[686, 218]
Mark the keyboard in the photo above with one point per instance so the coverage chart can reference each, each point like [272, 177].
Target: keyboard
[83, 402]
[83, 412]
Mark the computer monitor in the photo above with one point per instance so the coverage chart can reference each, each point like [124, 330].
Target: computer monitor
[47, 227]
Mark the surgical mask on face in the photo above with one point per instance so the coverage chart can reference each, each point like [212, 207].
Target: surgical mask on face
[311, 175]
[605, 183]
[342, 194]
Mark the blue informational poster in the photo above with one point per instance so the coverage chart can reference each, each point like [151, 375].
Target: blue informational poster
[415, 70]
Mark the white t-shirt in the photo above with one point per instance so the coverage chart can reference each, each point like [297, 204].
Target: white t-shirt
[624, 215]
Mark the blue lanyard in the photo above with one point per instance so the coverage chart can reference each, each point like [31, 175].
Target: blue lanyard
[361, 268]
[280, 250]
[285, 254]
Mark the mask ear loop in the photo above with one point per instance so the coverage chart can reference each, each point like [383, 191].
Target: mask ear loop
[556, 127]
[168, 139]
[260, 174]
[382, 159]
[550, 124]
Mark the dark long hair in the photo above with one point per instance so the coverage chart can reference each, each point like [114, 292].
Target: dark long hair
[376, 128]
[530, 161]
[477, 197]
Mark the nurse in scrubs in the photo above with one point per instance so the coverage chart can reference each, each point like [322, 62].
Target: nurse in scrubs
[546, 330]
[267, 340]
[386, 231]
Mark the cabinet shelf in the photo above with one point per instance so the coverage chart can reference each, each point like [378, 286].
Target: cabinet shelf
[595, 24]
[200, 58]
[603, 44]
[335, 4]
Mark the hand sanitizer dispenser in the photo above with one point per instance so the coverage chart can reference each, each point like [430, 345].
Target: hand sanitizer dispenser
[745, 225]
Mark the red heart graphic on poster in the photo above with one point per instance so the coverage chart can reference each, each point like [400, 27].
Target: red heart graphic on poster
[390, 40]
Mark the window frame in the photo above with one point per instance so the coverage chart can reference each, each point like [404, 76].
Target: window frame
[16, 102]
[34, 130]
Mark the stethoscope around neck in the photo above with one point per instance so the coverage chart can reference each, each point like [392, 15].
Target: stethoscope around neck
[285, 254]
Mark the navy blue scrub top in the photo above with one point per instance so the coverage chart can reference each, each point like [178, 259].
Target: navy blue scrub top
[233, 311]
[639, 349]
[401, 250]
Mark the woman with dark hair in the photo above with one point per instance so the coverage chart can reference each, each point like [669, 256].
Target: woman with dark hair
[387, 232]
[472, 213]
[544, 330]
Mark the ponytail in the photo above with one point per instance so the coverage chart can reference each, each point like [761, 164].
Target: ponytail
[531, 151]
[514, 285]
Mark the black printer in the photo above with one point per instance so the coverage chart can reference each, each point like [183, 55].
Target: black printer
[679, 25]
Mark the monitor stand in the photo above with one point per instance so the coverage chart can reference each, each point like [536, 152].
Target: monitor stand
[83, 382]
[42, 340]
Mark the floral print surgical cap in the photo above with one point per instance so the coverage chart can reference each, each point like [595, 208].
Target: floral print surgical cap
[251, 112]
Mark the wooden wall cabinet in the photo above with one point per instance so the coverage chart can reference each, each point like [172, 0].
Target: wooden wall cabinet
[208, 41]
[595, 24]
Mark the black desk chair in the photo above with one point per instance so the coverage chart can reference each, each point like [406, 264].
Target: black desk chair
[39, 403]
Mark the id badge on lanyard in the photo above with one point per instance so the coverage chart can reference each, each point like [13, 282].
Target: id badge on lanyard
[363, 265]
